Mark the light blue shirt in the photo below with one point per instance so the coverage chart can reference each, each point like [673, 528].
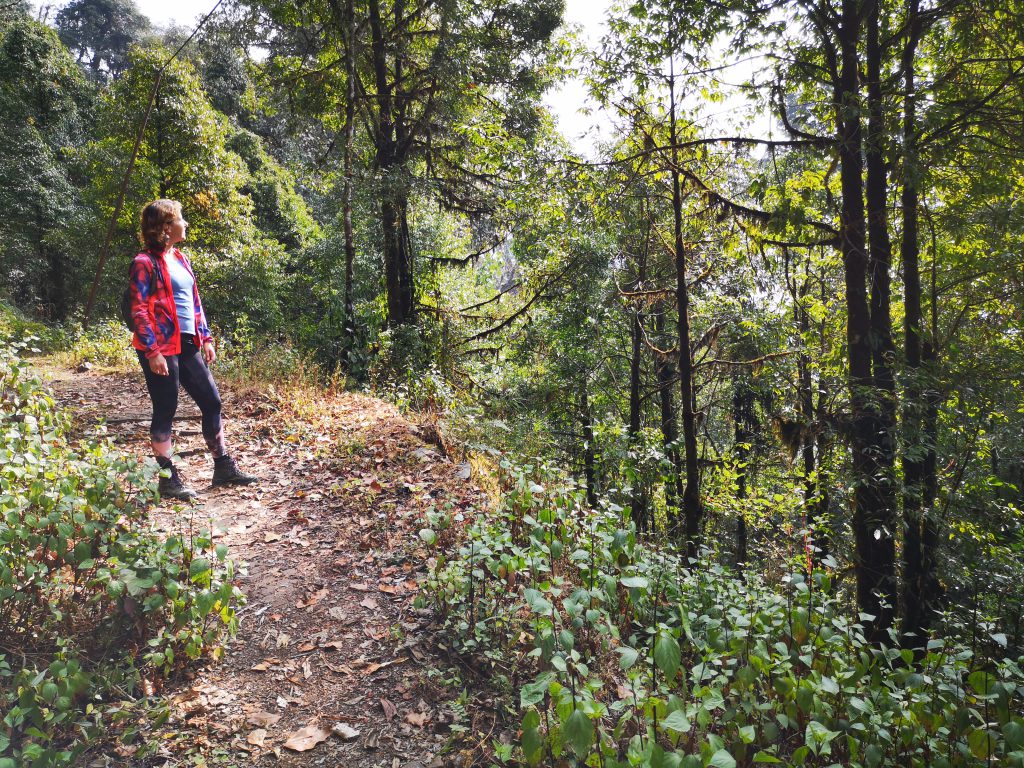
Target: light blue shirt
[182, 283]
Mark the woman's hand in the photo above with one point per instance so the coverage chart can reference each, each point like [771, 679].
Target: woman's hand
[209, 353]
[158, 365]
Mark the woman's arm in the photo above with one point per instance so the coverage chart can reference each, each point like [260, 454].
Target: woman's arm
[141, 278]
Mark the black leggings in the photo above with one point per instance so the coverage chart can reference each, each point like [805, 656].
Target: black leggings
[190, 371]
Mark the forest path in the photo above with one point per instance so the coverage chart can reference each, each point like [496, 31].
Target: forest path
[329, 636]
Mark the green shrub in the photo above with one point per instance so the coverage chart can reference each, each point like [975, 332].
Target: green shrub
[106, 343]
[91, 596]
[626, 654]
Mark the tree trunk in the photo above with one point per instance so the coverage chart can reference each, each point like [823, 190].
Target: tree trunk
[814, 510]
[665, 372]
[589, 456]
[693, 511]
[638, 505]
[391, 163]
[882, 349]
[873, 546]
[743, 422]
[349, 32]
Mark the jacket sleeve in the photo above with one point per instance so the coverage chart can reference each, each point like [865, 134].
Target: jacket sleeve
[139, 282]
[202, 328]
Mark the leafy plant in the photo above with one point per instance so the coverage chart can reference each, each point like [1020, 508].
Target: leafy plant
[92, 598]
[627, 654]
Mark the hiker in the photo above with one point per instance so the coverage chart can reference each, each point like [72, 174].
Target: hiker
[174, 344]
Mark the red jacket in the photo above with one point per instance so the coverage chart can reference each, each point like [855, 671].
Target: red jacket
[156, 319]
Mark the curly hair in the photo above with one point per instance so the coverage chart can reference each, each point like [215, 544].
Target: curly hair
[154, 216]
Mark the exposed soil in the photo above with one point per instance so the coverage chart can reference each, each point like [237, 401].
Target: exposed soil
[329, 636]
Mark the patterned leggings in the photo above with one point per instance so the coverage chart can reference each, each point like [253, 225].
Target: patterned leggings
[190, 371]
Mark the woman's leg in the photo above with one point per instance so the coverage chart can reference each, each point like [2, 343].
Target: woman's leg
[163, 391]
[197, 380]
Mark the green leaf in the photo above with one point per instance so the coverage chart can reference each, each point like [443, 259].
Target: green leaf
[634, 582]
[579, 732]
[981, 682]
[198, 567]
[817, 737]
[532, 743]
[764, 757]
[676, 721]
[667, 655]
[428, 536]
[722, 759]
[982, 743]
[1013, 732]
[533, 693]
[627, 656]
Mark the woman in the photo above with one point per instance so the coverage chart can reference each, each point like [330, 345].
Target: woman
[174, 345]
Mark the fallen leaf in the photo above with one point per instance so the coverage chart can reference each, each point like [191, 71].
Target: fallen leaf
[313, 599]
[369, 603]
[306, 738]
[307, 669]
[257, 737]
[389, 709]
[419, 719]
[271, 537]
[337, 612]
[464, 472]
[262, 719]
[306, 647]
[388, 589]
[360, 587]
[344, 731]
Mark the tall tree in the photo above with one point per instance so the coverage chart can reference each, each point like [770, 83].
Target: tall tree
[45, 102]
[100, 32]
[424, 76]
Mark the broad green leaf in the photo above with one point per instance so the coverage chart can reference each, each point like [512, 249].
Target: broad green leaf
[627, 656]
[982, 743]
[676, 721]
[667, 655]
[634, 582]
[579, 732]
[722, 759]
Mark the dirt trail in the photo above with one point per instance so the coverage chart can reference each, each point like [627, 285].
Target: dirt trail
[329, 634]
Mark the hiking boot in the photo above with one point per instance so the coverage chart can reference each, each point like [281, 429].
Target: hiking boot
[172, 487]
[226, 472]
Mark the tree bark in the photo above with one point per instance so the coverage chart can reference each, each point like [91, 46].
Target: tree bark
[589, 456]
[693, 511]
[873, 546]
[391, 163]
[743, 422]
[349, 32]
[665, 372]
[885, 521]
[638, 505]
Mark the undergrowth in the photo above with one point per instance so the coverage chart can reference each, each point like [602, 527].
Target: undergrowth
[624, 653]
[93, 600]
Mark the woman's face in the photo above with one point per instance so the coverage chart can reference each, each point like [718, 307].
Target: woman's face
[175, 230]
